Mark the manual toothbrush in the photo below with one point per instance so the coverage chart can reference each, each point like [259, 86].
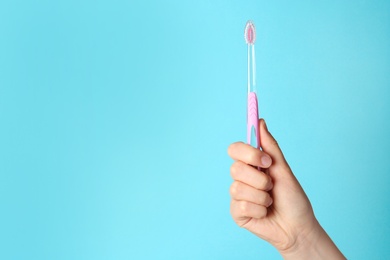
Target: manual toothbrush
[253, 135]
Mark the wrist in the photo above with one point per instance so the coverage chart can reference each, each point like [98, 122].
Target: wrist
[313, 243]
[305, 243]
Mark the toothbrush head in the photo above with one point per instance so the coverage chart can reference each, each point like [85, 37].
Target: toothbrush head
[250, 33]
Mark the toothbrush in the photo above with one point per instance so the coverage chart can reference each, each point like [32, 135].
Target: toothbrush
[253, 135]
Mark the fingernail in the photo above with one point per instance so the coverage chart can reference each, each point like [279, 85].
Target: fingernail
[266, 160]
[270, 185]
[270, 203]
[265, 125]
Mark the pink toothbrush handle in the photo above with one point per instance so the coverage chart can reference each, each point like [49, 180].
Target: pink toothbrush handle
[253, 119]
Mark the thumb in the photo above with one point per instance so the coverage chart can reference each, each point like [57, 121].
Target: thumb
[271, 147]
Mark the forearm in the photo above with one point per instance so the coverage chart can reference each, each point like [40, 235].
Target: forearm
[315, 245]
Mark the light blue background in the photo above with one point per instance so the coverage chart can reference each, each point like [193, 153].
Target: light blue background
[115, 117]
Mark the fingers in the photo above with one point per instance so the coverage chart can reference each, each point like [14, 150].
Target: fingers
[249, 155]
[250, 198]
[247, 174]
[243, 211]
[243, 192]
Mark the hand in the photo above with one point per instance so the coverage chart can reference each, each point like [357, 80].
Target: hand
[272, 204]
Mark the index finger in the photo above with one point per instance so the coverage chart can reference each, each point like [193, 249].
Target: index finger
[240, 151]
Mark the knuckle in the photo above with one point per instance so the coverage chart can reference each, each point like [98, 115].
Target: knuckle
[244, 207]
[232, 148]
[235, 169]
[234, 189]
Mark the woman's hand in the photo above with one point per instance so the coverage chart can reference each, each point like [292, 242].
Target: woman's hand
[272, 204]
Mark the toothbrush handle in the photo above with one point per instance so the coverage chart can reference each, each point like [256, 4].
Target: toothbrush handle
[253, 120]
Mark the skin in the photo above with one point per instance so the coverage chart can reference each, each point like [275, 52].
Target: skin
[272, 204]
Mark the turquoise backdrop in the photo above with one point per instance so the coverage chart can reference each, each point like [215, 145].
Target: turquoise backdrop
[115, 117]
